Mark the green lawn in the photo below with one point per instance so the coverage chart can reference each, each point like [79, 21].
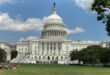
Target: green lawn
[56, 70]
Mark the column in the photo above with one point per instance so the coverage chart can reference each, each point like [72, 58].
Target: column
[48, 33]
[49, 46]
[60, 34]
[57, 33]
[56, 48]
[51, 33]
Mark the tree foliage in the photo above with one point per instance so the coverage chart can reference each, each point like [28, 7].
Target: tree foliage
[74, 55]
[105, 56]
[14, 54]
[2, 55]
[92, 55]
[102, 7]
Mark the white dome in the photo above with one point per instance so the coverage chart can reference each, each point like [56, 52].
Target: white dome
[54, 18]
[54, 27]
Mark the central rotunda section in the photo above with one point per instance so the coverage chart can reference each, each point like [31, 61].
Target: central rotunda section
[52, 48]
[54, 27]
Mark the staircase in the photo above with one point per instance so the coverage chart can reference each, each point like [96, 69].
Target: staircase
[24, 59]
[21, 58]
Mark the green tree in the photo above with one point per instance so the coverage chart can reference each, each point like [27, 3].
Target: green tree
[2, 55]
[102, 7]
[91, 54]
[75, 55]
[105, 56]
[14, 54]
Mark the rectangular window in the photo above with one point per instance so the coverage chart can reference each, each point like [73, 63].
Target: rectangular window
[47, 46]
[51, 46]
[42, 46]
[26, 49]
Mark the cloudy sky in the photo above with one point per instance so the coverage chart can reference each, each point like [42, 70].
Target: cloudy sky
[24, 19]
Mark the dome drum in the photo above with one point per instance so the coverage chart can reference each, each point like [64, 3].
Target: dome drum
[53, 34]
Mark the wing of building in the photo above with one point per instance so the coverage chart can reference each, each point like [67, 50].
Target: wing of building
[53, 47]
[8, 48]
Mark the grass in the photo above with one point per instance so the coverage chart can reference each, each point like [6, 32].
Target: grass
[56, 70]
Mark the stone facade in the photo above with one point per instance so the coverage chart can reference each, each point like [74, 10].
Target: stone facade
[7, 47]
[53, 47]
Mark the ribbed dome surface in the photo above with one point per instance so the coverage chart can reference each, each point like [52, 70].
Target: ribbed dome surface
[54, 18]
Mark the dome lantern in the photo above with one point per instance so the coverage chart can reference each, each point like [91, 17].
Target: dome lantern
[54, 8]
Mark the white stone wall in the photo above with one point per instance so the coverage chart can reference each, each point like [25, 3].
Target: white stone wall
[7, 49]
[79, 45]
[22, 48]
[48, 51]
[105, 43]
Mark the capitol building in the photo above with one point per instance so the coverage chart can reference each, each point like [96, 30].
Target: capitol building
[52, 48]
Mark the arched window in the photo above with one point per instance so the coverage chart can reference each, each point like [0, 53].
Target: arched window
[48, 58]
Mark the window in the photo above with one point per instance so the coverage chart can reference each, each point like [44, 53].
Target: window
[67, 48]
[39, 57]
[48, 58]
[47, 46]
[25, 49]
[62, 57]
[51, 46]
[35, 47]
[42, 46]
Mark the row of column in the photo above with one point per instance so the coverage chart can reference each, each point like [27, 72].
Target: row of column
[50, 46]
[53, 34]
[54, 26]
[48, 58]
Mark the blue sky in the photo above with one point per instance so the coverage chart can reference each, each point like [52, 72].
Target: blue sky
[24, 19]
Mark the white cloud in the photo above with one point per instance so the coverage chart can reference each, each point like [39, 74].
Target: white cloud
[6, 1]
[9, 1]
[75, 31]
[29, 38]
[7, 23]
[85, 4]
